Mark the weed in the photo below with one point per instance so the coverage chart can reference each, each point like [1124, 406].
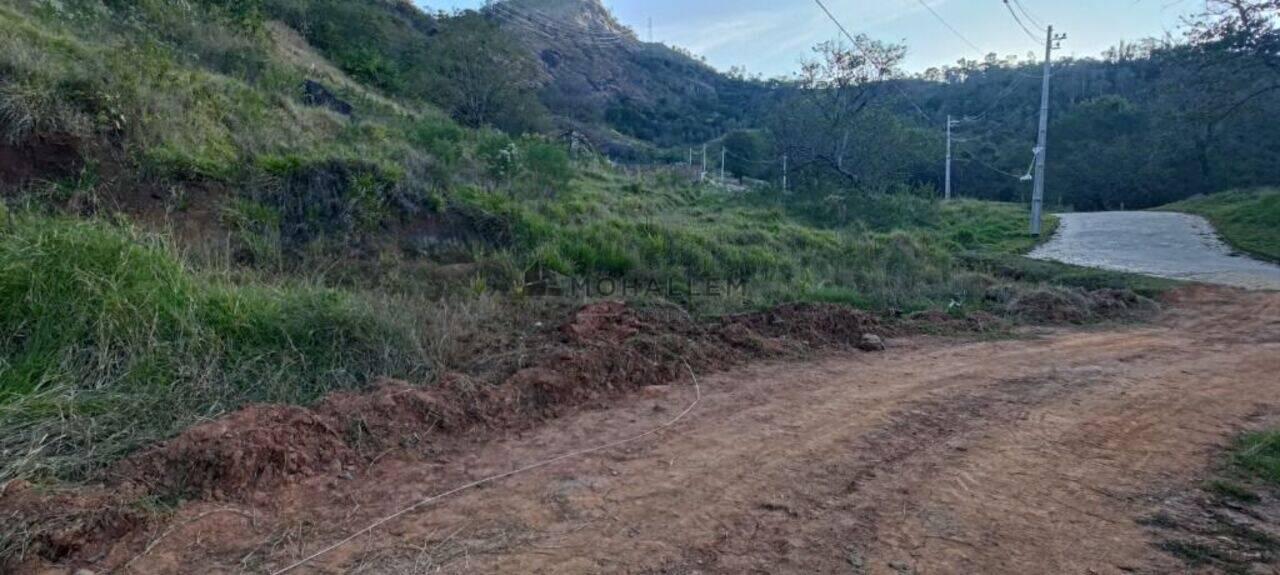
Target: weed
[1232, 490]
[111, 342]
[1258, 454]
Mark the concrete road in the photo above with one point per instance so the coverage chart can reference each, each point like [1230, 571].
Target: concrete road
[1170, 245]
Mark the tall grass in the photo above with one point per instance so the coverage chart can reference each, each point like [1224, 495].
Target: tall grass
[657, 229]
[107, 342]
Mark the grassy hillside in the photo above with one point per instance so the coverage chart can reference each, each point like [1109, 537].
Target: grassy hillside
[207, 207]
[1249, 220]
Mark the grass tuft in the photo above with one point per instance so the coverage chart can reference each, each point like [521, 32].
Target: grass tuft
[110, 342]
[1259, 455]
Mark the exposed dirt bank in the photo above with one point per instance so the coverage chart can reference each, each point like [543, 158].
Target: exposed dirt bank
[1044, 454]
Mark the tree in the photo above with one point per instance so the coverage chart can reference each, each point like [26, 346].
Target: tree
[482, 77]
[816, 125]
[1241, 27]
[749, 154]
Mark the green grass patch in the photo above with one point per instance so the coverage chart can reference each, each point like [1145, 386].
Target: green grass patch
[1249, 220]
[992, 227]
[109, 342]
[1258, 454]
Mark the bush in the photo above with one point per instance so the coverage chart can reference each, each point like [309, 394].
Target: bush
[547, 164]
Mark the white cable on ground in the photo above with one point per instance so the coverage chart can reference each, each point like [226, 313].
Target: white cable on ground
[434, 498]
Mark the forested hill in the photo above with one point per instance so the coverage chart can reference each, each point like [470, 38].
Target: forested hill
[1141, 125]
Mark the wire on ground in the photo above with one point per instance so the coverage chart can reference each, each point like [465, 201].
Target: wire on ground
[493, 478]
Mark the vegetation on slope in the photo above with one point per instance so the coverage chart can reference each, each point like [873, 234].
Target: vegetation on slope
[233, 217]
[111, 342]
[1249, 220]
[1259, 455]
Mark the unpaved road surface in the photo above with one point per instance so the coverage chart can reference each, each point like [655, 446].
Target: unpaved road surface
[1178, 246]
[1034, 455]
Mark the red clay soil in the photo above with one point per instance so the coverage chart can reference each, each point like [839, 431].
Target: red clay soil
[1045, 454]
[47, 157]
[605, 350]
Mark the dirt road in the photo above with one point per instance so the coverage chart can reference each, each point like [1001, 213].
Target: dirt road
[1178, 246]
[1036, 455]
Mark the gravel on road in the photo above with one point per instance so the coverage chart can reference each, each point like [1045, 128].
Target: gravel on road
[1177, 246]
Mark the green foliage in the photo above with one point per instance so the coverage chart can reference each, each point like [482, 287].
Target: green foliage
[750, 154]
[547, 164]
[990, 227]
[107, 334]
[1249, 220]
[608, 226]
[1259, 455]
[1147, 124]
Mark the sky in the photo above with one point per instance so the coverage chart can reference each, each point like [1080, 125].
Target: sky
[771, 37]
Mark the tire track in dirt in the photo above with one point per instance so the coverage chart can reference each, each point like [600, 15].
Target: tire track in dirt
[1034, 455]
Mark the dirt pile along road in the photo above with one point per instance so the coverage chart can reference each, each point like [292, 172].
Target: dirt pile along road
[1038, 455]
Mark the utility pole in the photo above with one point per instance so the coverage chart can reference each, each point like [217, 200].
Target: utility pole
[950, 124]
[690, 157]
[1042, 143]
[703, 177]
[784, 174]
[723, 152]
[651, 30]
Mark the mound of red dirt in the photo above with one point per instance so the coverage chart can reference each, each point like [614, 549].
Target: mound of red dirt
[64, 525]
[258, 446]
[813, 324]
[604, 350]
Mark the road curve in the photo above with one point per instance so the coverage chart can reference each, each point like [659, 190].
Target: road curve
[1171, 245]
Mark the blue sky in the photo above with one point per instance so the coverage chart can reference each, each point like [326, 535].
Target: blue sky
[771, 36]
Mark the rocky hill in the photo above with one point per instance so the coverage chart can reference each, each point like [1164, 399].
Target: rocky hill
[602, 79]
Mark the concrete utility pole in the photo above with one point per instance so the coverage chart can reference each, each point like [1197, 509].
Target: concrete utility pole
[1042, 143]
[723, 152]
[950, 124]
[784, 173]
[703, 177]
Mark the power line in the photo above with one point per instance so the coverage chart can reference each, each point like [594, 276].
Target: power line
[991, 107]
[1030, 17]
[950, 27]
[867, 54]
[974, 159]
[1030, 34]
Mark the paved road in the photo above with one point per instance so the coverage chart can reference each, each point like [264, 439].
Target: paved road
[1177, 246]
